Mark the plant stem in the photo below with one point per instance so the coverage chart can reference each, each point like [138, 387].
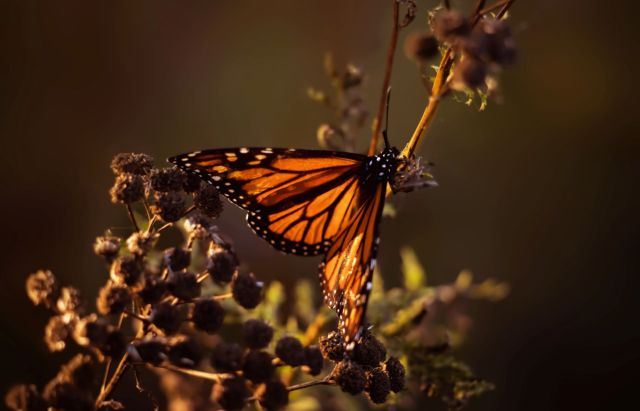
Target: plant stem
[194, 373]
[325, 381]
[373, 145]
[115, 378]
[505, 9]
[132, 217]
[439, 88]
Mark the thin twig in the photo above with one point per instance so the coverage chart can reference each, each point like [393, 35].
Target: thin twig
[136, 316]
[194, 373]
[132, 217]
[479, 6]
[325, 381]
[447, 4]
[107, 367]
[505, 9]
[492, 7]
[115, 378]
[373, 146]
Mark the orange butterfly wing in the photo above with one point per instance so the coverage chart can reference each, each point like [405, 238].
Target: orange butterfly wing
[297, 200]
[347, 270]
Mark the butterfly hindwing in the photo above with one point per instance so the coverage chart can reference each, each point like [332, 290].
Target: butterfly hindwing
[297, 200]
[347, 270]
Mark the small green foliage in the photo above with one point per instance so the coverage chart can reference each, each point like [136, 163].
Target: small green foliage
[414, 273]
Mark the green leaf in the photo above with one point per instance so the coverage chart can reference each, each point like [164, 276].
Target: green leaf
[414, 274]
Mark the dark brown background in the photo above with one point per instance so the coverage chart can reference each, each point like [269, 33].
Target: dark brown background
[538, 191]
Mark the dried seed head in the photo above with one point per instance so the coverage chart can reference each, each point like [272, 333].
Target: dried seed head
[469, 73]
[177, 258]
[198, 225]
[226, 357]
[91, 331]
[152, 350]
[166, 179]
[107, 247]
[221, 264]
[396, 373]
[369, 351]
[166, 317]
[257, 333]
[64, 395]
[208, 201]
[131, 163]
[350, 377]
[501, 46]
[290, 351]
[184, 352]
[258, 366]
[113, 299]
[154, 289]
[127, 189]
[246, 290]
[275, 396]
[331, 347]
[170, 207]
[378, 385]
[43, 288]
[56, 332]
[141, 242]
[69, 301]
[191, 183]
[183, 285]
[420, 46]
[127, 270]
[231, 393]
[313, 359]
[449, 25]
[24, 398]
[207, 315]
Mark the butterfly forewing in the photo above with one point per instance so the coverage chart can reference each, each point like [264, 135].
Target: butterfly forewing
[297, 200]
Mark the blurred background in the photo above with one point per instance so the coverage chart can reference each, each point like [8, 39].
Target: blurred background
[539, 191]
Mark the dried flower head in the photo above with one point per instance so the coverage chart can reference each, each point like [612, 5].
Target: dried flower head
[396, 373]
[290, 350]
[369, 351]
[184, 352]
[449, 25]
[350, 377]
[207, 315]
[183, 285]
[226, 357]
[275, 396]
[221, 264]
[140, 242]
[166, 179]
[56, 332]
[246, 290]
[231, 393]
[107, 247]
[258, 366]
[69, 301]
[43, 288]
[24, 397]
[131, 163]
[166, 317]
[257, 333]
[113, 299]
[170, 207]
[127, 270]
[469, 73]
[154, 289]
[378, 385]
[127, 189]
[420, 46]
[208, 201]
[152, 350]
[313, 359]
[177, 258]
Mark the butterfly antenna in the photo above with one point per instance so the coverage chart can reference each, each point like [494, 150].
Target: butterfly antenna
[386, 121]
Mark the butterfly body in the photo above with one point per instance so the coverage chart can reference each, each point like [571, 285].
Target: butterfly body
[310, 202]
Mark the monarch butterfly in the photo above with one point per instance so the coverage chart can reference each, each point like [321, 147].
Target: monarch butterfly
[310, 202]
